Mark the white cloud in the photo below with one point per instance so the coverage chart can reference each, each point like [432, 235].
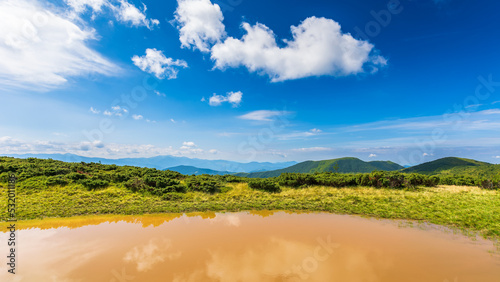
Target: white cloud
[42, 49]
[189, 147]
[173, 120]
[490, 112]
[199, 23]
[128, 13]
[299, 135]
[124, 11]
[9, 145]
[372, 155]
[263, 115]
[188, 144]
[318, 48]
[94, 111]
[156, 63]
[496, 157]
[473, 106]
[315, 130]
[137, 117]
[213, 151]
[312, 149]
[233, 98]
[107, 113]
[80, 6]
[160, 93]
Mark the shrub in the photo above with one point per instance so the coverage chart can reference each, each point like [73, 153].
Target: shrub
[94, 183]
[135, 184]
[296, 180]
[203, 183]
[264, 185]
[57, 180]
[75, 176]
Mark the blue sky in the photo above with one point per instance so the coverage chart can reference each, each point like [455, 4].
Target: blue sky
[407, 81]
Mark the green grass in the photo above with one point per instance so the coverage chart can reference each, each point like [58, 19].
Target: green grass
[466, 208]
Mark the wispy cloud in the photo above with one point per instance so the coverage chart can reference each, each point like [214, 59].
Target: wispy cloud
[123, 11]
[44, 56]
[312, 149]
[264, 115]
[299, 135]
[94, 111]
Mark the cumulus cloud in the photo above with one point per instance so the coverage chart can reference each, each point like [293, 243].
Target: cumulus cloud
[372, 155]
[156, 63]
[318, 48]
[199, 23]
[263, 115]
[42, 49]
[137, 117]
[94, 111]
[234, 98]
[188, 144]
[123, 11]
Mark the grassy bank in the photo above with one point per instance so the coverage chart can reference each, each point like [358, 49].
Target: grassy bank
[467, 208]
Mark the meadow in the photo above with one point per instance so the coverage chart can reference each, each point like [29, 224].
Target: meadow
[47, 189]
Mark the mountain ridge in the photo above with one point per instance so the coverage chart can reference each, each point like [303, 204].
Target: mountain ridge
[341, 165]
[162, 162]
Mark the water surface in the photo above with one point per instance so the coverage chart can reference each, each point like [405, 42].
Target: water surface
[258, 246]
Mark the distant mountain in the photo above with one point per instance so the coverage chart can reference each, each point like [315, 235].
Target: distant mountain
[343, 165]
[162, 162]
[190, 170]
[441, 165]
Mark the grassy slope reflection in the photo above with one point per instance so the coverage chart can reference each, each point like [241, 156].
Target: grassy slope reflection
[245, 247]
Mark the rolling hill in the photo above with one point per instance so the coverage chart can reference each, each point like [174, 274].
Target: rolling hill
[190, 170]
[343, 165]
[445, 164]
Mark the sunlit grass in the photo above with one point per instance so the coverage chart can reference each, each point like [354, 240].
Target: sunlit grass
[467, 208]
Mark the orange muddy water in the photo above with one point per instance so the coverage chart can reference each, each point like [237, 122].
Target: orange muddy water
[247, 246]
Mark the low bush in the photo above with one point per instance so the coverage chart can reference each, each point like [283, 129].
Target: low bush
[203, 183]
[264, 185]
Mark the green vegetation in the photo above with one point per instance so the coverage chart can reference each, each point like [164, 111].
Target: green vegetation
[264, 185]
[343, 165]
[443, 164]
[48, 188]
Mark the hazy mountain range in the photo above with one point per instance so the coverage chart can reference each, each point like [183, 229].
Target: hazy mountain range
[163, 162]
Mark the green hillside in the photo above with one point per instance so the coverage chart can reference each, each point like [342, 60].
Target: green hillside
[446, 164]
[343, 165]
[488, 171]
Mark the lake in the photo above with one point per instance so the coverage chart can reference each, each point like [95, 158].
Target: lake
[246, 246]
